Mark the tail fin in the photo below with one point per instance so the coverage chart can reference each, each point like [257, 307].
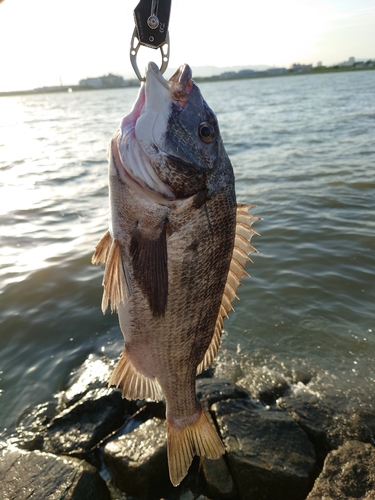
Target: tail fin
[197, 439]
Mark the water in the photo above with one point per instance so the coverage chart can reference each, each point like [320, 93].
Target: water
[303, 151]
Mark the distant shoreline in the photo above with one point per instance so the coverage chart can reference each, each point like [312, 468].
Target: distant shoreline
[260, 74]
[198, 79]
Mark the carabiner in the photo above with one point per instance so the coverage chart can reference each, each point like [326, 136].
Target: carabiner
[151, 19]
[134, 47]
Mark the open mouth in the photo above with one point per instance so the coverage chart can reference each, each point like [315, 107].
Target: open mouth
[179, 87]
[142, 132]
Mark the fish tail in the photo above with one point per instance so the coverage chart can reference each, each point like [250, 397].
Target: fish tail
[199, 438]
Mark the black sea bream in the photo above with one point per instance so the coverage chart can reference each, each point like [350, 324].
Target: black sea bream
[174, 254]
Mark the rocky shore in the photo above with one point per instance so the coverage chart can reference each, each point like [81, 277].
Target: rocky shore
[287, 444]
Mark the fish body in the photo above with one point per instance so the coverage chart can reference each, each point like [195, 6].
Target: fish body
[174, 254]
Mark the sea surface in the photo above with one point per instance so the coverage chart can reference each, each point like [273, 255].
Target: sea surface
[303, 152]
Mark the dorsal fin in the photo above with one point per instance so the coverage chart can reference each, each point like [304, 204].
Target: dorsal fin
[116, 279]
[242, 247]
[134, 384]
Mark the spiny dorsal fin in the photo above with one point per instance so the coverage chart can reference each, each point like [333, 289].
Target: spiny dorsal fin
[116, 279]
[134, 384]
[242, 247]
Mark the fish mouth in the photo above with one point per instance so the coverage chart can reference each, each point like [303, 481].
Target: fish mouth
[179, 85]
[139, 139]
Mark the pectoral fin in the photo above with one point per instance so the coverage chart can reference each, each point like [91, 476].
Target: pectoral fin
[148, 248]
[102, 249]
[242, 247]
[116, 280]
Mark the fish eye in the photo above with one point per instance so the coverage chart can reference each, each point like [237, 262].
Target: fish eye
[206, 132]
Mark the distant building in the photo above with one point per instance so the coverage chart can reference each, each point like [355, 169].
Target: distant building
[277, 71]
[94, 83]
[246, 72]
[300, 68]
[349, 62]
[228, 74]
[104, 82]
[319, 65]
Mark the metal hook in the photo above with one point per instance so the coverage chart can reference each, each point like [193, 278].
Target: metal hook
[164, 49]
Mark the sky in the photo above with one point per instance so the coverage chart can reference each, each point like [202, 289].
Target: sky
[45, 42]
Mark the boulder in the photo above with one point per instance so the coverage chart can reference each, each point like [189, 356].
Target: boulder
[85, 424]
[35, 475]
[218, 479]
[93, 374]
[137, 462]
[329, 423]
[219, 482]
[270, 393]
[314, 417]
[29, 432]
[269, 456]
[212, 390]
[348, 473]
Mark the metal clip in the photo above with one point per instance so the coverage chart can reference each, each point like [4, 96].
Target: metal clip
[151, 30]
[134, 47]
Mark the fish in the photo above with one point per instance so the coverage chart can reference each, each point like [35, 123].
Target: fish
[174, 255]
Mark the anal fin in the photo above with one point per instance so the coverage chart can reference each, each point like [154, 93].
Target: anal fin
[134, 384]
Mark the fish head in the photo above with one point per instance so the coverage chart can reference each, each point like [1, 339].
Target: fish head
[170, 142]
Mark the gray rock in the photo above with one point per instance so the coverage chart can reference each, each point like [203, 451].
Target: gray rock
[348, 473]
[270, 393]
[83, 425]
[36, 475]
[314, 417]
[189, 495]
[270, 457]
[329, 423]
[218, 478]
[29, 432]
[211, 390]
[93, 374]
[137, 462]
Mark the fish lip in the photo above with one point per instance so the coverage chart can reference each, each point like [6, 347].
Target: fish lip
[182, 77]
[153, 69]
[178, 82]
[181, 84]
